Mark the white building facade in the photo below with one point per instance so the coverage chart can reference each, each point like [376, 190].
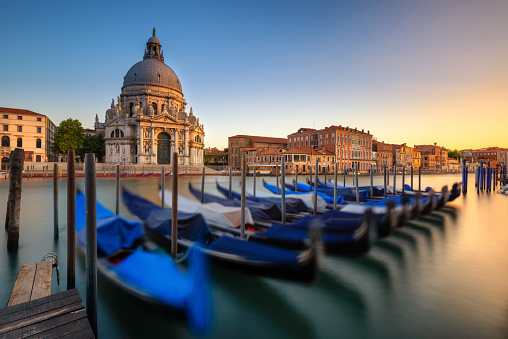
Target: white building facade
[149, 120]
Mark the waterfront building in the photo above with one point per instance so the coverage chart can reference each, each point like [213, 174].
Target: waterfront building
[384, 154]
[301, 161]
[349, 145]
[417, 158]
[435, 158]
[33, 132]
[215, 157]
[149, 121]
[239, 144]
[402, 155]
[495, 155]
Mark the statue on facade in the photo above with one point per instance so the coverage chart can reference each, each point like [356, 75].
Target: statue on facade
[112, 103]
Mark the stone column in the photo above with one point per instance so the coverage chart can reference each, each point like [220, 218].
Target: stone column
[173, 142]
[185, 146]
[140, 145]
[152, 145]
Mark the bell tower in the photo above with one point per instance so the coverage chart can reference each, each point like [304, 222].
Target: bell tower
[153, 49]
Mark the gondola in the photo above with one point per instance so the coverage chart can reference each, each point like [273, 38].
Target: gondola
[340, 234]
[130, 261]
[239, 254]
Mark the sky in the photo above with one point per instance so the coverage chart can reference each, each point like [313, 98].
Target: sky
[414, 72]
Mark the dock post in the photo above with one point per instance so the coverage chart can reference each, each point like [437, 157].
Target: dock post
[91, 241]
[411, 178]
[16, 161]
[384, 177]
[230, 183]
[464, 176]
[117, 210]
[296, 180]
[277, 177]
[174, 206]
[371, 183]
[356, 184]
[394, 180]
[344, 175]
[254, 179]
[163, 186]
[504, 174]
[335, 187]
[203, 185]
[71, 219]
[242, 201]
[403, 178]
[310, 177]
[326, 173]
[283, 187]
[55, 202]
[315, 187]
[420, 178]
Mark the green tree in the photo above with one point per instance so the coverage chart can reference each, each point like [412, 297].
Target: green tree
[455, 154]
[92, 144]
[69, 135]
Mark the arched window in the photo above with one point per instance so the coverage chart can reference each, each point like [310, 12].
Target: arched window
[20, 142]
[131, 109]
[6, 141]
[154, 105]
[38, 143]
[112, 134]
[117, 134]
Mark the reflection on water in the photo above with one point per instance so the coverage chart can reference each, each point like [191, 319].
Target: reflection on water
[443, 275]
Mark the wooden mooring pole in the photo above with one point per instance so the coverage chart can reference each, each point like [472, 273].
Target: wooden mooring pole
[277, 177]
[55, 201]
[230, 183]
[203, 185]
[163, 186]
[335, 187]
[242, 201]
[91, 241]
[384, 179]
[117, 206]
[283, 187]
[315, 187]
[174, 206]
[71, 219]
[254, 179]
[16, 161]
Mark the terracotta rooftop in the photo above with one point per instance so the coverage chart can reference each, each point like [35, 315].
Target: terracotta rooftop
[18, 111]
[270, 140]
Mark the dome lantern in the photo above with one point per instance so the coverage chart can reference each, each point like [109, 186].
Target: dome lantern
[153, 48]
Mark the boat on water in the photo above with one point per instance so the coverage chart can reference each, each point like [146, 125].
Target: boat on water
[340, 233]
[136, 265]
[237, 253]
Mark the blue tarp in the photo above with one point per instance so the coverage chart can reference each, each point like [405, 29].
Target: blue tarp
[190, 226]
[293, 205]
[281, 232]
[264, 211]
[331, 221]
[326, 197]
[255, 251]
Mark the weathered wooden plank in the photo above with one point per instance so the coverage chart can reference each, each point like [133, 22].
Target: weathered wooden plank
[51, 327]
[42, 280]
[23, 286]
[37, 302]
[66, 329]
[40, 317]
[37, 309]
[85, 333]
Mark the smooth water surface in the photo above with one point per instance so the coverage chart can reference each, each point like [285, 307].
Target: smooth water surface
[444, 275]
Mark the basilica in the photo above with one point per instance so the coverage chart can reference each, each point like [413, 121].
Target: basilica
[149, 121]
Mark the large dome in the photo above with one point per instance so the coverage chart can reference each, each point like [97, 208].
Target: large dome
[154, 72]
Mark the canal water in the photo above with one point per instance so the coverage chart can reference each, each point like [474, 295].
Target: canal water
[442, 276]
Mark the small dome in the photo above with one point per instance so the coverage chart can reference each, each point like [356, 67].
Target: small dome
[154, 72]
[154, 40]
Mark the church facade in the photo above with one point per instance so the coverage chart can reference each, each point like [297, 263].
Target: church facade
[149, 121]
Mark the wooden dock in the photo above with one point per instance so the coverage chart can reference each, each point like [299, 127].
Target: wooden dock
[33, 311]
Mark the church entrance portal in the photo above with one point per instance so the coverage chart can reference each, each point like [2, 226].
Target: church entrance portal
[163, 148]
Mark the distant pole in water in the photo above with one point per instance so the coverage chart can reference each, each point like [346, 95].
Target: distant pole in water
[283, 187]
[403, 178]
[242, 202]
[371, 183]
[335, 186]
[254, 179]
[344, 175]
[296, 180]
[174, 206]
[163, 186]
[384, 177]
[411, 178]
[203, 185]
[91, 241]
[356, 184]
[71, 220]
[16, 160]
[117, 210]
[310, 177]
[315, 188]
[478, 180]
[420, 178]
[230, 183]
[481, 175]
[464, 176]
[504, 174]
[277, 177]
[55, 201]
[394, 179]
[326, 173]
